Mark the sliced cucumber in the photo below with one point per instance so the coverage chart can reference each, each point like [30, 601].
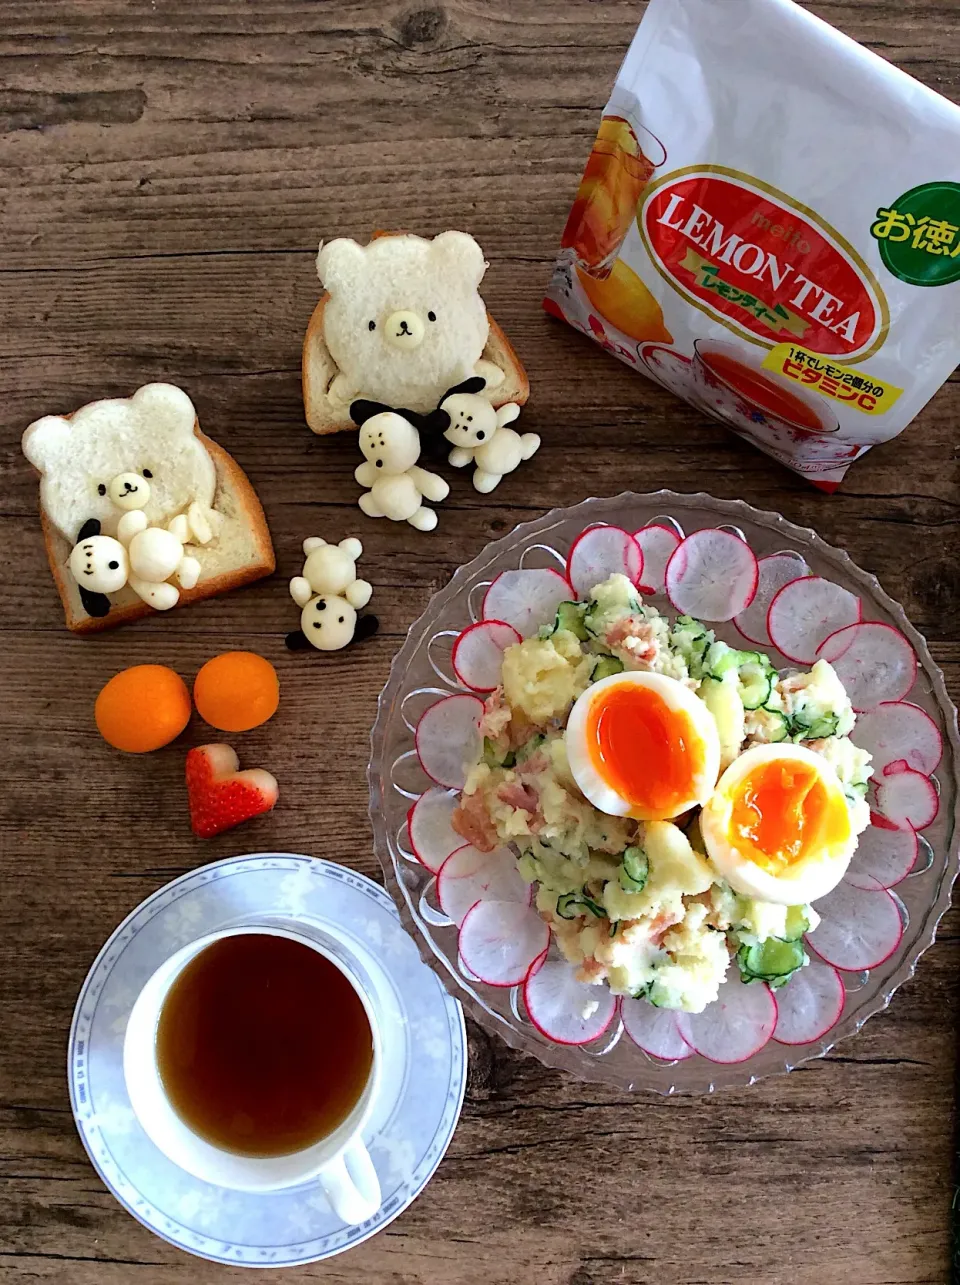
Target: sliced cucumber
[497, 758]
[606, 667]
[798, 923]
[634, 870]
[570, 617]
[782, 730]
[756, 677]
[773, 961]
[570, 905]
[806, 727]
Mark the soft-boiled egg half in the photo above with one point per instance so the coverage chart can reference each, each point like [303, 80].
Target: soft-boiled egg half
[777, 826]
[644, 746]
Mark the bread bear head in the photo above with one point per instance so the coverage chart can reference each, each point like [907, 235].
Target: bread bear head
[403, 317]
[92, 463]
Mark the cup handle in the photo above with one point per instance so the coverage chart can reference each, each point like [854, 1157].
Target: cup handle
[351, 1184]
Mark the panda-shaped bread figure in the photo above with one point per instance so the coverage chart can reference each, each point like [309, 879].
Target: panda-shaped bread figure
[330, 595]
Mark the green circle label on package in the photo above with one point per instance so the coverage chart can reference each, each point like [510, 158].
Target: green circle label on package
[919, 235]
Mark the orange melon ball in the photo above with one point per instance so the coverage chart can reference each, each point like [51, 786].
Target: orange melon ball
[237, 691]
[142, 708]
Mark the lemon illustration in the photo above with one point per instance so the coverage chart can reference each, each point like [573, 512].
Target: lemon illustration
[624, 301]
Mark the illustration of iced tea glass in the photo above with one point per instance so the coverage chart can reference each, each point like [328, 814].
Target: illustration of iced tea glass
[621, 165]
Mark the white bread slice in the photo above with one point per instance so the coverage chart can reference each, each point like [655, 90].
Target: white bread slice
[326, 414]
[241, 550]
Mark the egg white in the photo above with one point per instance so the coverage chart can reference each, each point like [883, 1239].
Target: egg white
[806, 880]
[676, 697]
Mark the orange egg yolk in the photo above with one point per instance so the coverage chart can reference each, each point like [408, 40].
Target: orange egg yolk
[787, 814]
[645, 750]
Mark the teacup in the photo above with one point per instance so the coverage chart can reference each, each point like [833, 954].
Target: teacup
[732, 384]
[339, 1161]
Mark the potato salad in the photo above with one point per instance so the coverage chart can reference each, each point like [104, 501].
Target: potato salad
[677, 804]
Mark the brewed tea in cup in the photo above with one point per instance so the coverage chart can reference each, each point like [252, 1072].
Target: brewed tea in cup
[252, 1060]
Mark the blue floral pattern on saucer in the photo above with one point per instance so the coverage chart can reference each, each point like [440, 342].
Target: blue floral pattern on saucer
[411, 1126]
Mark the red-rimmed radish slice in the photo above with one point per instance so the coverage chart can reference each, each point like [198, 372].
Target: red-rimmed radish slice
[810, 1004]
[884, 856]
[899, 730]
[563, 1009]
[907, 799]
[526, 599]
[805, 612]
[432, 836]
[468, 876]
[499, 940]
[654, 1030]
[711, 575]
[657, 544]
[448, 739]
[859, 927]
[599, 553]
[478, 653]
[873, 661]
[737, 1025]
[774, 572]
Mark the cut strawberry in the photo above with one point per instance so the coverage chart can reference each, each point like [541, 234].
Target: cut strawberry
[220, 796]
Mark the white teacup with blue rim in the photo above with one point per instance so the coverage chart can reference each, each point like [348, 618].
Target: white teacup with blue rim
[338, 1161]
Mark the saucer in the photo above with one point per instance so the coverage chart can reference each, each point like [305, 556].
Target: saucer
[424, 1060]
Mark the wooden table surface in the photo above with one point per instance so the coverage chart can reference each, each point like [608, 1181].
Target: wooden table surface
[166, 173]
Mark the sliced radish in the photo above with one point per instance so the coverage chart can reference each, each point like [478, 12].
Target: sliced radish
[874, 662]
[774, 572]
[478, 653]
[432, 836]
[448, 739]
[712, 575]
[499, 940]
[898, 730]
[599, 553]
[657, 544]
[805, 612]
[563, 1009]
[810, 1004]
[526, 599]
[859, 927]
[908, 799]
[654, 1030]
[469, 876]
[737, 1025]
[884, 856]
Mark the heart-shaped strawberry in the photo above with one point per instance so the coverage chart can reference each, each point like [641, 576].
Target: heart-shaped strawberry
[221, 797]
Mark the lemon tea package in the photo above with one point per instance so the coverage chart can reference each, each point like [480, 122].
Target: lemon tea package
[769, 226]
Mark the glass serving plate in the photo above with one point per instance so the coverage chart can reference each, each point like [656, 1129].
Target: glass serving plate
[422, 674]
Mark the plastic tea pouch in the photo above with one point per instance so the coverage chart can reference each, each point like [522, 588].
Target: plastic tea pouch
[769, 226]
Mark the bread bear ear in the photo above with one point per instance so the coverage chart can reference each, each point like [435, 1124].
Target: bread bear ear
[457, 252]
[340, 263]
[45, 441]
[90, 528]
[168, 407]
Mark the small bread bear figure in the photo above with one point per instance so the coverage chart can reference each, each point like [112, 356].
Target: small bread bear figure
[142, 556]
[398, 487]
[479, 434]
[330, 595]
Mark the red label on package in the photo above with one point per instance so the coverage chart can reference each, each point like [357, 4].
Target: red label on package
[747, 255]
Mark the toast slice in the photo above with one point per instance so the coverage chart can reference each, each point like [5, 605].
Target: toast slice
[319, 369]
[241, 552]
